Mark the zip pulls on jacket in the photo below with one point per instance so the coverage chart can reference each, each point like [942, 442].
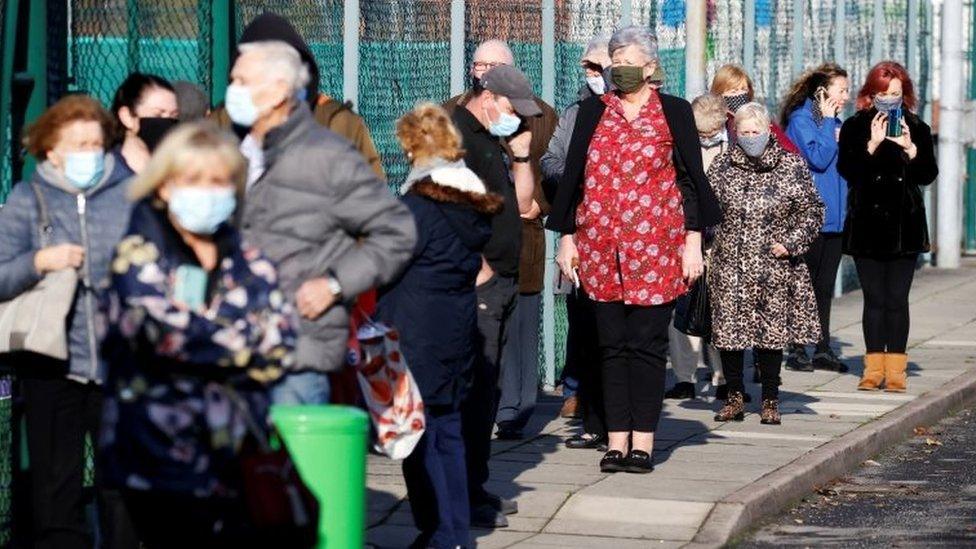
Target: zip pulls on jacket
[86, 285]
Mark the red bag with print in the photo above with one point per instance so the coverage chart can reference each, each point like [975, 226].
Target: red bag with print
[390, 391]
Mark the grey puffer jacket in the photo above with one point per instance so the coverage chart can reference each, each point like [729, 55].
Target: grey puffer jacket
[320, 210]
[96, 220]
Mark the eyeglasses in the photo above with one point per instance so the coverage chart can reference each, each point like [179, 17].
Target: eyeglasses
[485, 65]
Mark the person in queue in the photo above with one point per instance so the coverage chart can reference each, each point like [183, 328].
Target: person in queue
[811, 115]
[196, 330]
[582, 391]
[318, 211]
[191, 100]
[687, 352]
[886, 227]
[146, 108]
[733, 84]
[83, 193]
[631, 207]
[761, 296]
[434, 306]
[491, 123]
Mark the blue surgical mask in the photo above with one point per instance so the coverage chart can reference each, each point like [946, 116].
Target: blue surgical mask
[753, 145]
[240, 105]
[202, 210]
[885, 104]
[84, 169]
[506, 125]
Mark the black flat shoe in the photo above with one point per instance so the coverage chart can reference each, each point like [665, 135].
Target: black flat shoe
[585, 441]
[486, 516]
[681, 391]
[508, 434]
[639, 462]
[828, 360]
[502, 505]
[613, 461]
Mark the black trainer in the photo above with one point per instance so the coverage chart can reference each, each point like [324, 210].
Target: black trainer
[797, 359]
[828, 360]
[683, 390]
[640, 462]
[613, 461]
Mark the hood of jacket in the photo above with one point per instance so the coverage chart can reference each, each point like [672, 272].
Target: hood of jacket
[461, 197]
[52, 176]
[271, 26]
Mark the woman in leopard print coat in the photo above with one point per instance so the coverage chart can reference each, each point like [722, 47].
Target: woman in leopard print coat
[759, 285]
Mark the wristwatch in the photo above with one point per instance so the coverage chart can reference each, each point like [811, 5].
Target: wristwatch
[520, 159]
[334, 285]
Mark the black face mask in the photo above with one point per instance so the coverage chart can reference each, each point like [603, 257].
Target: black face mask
[153, 130]
[476, 84]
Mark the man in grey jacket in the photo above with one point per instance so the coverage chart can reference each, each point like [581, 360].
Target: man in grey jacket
[316, 209]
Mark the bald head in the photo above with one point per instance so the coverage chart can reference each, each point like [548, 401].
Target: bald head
[489, 55]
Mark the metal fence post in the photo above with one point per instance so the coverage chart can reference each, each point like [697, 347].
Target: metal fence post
[749, 36]
[221, 42]
[696, 23]
[840, 34]
[132, 34]
[797, 44]
[350, 51]
[627, 12]
[912, 46]
[950, 145]
[877, 44]
[457, 47]
[8, 148]
[548, 300]
[971, 153]
[36, 69]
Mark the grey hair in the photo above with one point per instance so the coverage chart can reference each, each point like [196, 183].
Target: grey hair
[281, 60]
[598, 45]
[709, 111]
[500, 44]
[634, 35]
[753, 111]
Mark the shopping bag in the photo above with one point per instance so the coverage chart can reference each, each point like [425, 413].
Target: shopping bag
[695, 317]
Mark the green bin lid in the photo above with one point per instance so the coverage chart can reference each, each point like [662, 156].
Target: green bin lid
[320, 419]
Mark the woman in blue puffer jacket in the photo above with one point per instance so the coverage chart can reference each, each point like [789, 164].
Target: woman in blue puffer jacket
[811, 118]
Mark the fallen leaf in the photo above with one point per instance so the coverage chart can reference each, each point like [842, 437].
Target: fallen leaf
[919, 431]
[798, 521]
[933, 442]
[872, 463]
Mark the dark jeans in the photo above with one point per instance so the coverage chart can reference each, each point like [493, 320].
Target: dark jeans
[769, 361]
[520, 365]
[60, 413]
[437, 484]
[496, 303]
[634, 348]
[583, 362]
[886, 284]
[823, 260]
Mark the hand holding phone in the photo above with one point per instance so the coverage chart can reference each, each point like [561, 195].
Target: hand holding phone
[190, 287]
[894, 123]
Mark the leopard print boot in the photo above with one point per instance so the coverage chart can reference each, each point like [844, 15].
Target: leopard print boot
[734, 408]
[770, 412]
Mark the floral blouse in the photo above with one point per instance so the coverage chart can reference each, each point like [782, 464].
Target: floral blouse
[186, 387]
[630, 224]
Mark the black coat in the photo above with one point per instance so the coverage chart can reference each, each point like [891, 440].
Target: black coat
[700, 206]
[433, 303]
[885, 210]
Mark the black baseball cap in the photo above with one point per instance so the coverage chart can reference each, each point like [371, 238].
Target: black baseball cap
[508, 81]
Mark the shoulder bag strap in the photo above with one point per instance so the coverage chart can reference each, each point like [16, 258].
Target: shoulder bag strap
[44, 221]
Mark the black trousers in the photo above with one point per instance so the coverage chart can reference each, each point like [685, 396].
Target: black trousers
[886, 284]
[634, 349]
[583, 362]
[769, 361]
[823, 260]
[59, 414]
[496, 303]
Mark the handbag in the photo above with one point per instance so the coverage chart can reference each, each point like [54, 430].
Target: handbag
[391, 393]
[36, 320]
[695, 317]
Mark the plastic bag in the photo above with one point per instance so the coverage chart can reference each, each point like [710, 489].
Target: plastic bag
[694, 316]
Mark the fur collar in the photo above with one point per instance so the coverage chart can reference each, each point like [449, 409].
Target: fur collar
[454, 185]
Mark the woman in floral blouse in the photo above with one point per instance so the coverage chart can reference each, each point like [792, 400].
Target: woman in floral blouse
[631, 206]
[196, 330]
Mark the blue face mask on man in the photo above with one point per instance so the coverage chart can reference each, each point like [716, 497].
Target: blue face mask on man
[240, 105]
[84, 169]
[202, 210]
[506, 125]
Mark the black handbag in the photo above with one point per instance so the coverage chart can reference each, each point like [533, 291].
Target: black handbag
[693, 315]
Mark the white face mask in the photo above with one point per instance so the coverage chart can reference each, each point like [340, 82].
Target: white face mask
[596, 84]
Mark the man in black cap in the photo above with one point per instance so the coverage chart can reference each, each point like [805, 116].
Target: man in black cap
[497, 112]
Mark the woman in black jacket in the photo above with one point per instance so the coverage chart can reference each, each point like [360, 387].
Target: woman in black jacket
[886, 229]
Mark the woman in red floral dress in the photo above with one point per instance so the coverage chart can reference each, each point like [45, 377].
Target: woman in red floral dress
[631, 207]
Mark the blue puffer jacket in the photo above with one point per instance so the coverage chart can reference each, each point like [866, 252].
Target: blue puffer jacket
[818, 146]
[95, 219]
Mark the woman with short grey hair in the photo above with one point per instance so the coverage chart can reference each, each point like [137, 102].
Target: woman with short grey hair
[760, 289]
[631, 206]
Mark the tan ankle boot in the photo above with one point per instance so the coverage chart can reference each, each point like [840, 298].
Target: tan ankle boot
[874, 372]
[896, 379]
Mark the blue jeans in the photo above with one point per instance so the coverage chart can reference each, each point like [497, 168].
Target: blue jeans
[302, 388]
[437, 484]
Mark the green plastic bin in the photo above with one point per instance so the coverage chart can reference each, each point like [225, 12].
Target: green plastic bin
[328, 445]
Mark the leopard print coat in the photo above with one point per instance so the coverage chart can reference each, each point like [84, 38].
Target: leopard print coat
[758, 300]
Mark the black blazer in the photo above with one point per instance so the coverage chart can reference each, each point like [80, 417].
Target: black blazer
[700, 205]
[885, 210]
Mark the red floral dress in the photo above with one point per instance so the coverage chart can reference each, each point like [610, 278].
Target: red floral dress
[630, 225]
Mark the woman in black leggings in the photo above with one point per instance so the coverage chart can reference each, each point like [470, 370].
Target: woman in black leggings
[886, 229]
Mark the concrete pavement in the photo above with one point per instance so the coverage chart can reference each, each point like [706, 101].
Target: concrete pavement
[711, 479]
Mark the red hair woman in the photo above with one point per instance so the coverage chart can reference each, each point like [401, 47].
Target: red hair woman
[886, 154]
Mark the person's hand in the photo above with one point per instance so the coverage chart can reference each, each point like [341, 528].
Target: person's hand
[485, 274]
[56, 258]
[905, 140]
[568, 257]
[520, 143]
[534, 212]
[829, 108]
[314, 298]
[879, 131]
[692, 264]
[779, 251]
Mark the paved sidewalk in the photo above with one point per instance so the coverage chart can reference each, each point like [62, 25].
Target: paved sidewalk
[566, 502]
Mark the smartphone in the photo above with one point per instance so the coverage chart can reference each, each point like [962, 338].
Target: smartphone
[821, 94]
[190, 287]
[894, 123]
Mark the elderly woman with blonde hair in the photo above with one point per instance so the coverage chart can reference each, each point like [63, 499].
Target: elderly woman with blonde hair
[433, 304]
[760, 287]
[196, 330]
